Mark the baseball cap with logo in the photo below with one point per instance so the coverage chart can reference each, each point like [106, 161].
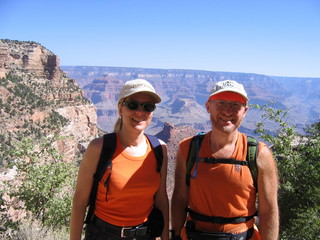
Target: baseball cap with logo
[138, 85]
[229, 88]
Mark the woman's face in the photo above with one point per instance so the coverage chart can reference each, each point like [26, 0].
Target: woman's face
[138, 119]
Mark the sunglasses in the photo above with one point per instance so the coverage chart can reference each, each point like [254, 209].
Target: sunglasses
[134, 105]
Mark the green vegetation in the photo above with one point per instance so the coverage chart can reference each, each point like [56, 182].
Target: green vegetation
[35, 201]
[22, 97]
[35, 195]
[44, 188]
[299, 173]
[28, 92]
[25, 96]
[17, 42]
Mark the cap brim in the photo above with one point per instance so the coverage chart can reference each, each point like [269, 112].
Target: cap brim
[155, 96]
[229, 90]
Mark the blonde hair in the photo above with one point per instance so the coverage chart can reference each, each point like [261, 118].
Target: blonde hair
[118, 125]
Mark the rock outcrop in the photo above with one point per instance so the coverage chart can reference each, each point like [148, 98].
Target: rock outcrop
[30, 56]
[38, 98]
[172, 135]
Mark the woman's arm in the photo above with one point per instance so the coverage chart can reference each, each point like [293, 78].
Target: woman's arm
[161, 198]
[180, 196]
[83, 188]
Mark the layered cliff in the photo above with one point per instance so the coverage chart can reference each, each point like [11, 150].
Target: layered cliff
[184, 93]
[37, 99]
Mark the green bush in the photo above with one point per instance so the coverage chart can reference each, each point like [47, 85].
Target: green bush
[298, 157]
[47, 183]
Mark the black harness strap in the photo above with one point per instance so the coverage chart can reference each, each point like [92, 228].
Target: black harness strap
[219, 220]
[224, 161]
[193, 153]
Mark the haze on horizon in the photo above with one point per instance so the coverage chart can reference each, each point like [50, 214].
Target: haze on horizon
[277, 38]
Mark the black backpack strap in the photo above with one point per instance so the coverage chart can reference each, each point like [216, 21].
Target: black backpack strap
[107, 151]
[252, 153]
[193, 155]
[220, 220]
[157, 149]
[224, 161]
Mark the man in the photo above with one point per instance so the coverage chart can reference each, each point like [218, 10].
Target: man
[221, 197]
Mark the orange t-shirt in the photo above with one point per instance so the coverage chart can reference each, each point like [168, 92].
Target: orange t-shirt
[221, 190]
[128, 197]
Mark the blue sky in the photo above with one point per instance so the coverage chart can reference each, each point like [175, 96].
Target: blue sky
[272, 37]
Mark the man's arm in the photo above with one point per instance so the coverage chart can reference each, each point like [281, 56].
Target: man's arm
[268, 195]
[180, 196]
[161, 199]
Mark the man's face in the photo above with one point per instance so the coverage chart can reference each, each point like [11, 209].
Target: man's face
[226, 115]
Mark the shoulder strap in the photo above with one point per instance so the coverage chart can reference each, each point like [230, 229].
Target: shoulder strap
[108, 149]
[193, 155]
[157, 149]
[252, 153]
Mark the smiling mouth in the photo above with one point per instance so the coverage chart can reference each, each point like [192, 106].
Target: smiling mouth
[226, 120]
[138, 120]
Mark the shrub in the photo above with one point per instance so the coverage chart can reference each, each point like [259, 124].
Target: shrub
[298, 157]
[43, 185]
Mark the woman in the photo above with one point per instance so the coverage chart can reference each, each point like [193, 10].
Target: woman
[134, 185]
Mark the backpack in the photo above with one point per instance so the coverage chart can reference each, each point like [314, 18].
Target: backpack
[108, 149]
[193, 158]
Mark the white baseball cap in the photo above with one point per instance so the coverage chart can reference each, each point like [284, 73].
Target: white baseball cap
[229, 86]
[138, 85]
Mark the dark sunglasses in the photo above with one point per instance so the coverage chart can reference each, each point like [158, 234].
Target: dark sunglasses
[134, 105]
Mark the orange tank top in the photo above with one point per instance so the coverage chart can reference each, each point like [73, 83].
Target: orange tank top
[128, 197]
[221, 190]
